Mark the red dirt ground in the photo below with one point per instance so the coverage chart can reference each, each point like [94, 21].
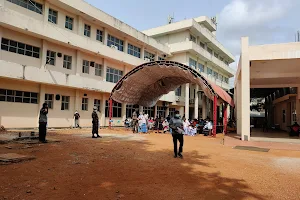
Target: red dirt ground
[80, 167]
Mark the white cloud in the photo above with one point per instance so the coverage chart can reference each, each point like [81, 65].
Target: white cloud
[260, 20]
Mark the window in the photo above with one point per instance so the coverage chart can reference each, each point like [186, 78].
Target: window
[202, 45]
[67, 62]
[192, 38]
[51, 57]
[209, 71]
[98, 69]
[87, 30]
[201, 67]
[29, 4]
[52, 16]
[65, 101]
[149, 56]
[192, 63]
[172, 112]
[216, 55]
[18, 96]
[69, 23]
[209, 50]
[85, 66]
[161, 111]
[226, 62]
[178, 91]
[85, 103]
[220, 77]
[133, 50]
[130, 109]
[160, 58]
[99, 35]
[221, 58]
[113, 75]
[226, 80]
[149, 111]
[20, 48]
[116, 109]
[49, 100]
[283, 116]
[216, 75]
[111, 40]
[97, 104]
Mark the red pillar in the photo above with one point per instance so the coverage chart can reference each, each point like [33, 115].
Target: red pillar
[215, 117]
[110, 112]
[225, 119]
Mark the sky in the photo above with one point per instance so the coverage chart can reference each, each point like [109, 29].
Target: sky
[263, 21]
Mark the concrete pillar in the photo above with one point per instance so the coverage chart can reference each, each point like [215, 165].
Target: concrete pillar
[102, 110]
[141, 109]
[77, 101]
[105, 36]
[196, 115]
[238, 107]
[298, 104]
[46, 11]
[80, 25]
[181, 111]
[155, 111]
[167, 111]
[41, 100]
[104, 69]
[44, 54]
[143, 53]
[125, 47]
[78, 63]
[156, 56]
[204, 106]
[187, 100]
[245, 90]
[123, 111]
[1, 35]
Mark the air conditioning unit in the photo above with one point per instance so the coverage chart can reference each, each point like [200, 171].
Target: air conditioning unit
[177, 98]
[114, 47]
[147, 59]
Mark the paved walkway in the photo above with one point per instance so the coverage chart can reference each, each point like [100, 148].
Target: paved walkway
[270, 143]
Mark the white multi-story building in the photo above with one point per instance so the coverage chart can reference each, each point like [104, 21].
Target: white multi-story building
[70, 54]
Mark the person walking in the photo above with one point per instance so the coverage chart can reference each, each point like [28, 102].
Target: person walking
[95, 122]
[43, 119]
[76, 117]
[176, 124]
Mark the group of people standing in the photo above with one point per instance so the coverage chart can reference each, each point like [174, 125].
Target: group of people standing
[43, 121]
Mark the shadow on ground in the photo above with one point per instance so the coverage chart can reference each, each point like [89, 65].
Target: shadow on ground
[84, 168]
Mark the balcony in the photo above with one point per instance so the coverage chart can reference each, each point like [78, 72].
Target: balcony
[197, 28]
[201, 53]
[44, 30]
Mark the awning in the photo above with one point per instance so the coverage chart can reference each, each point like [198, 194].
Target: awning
[222, 94]
[147, 83]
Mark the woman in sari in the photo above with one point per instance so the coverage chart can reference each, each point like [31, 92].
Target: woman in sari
[143, 123]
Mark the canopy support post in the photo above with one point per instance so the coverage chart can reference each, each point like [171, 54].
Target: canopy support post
[215, 117]
[225, 118]
[110, 112]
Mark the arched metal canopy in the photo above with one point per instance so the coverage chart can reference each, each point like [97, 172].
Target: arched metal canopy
[145, 84]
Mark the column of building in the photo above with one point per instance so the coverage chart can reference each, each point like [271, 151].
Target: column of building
[204, 106]
[298, 105]
[187, 100]
[41, 99]
[196, 106]
[46, 11]
[245, 90]
[102, 109]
